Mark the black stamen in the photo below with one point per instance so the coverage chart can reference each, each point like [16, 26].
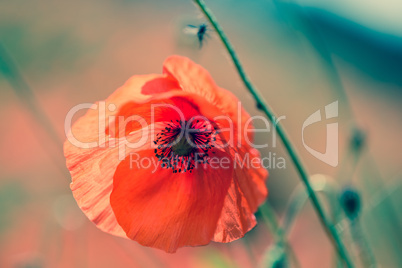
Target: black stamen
[180, 153]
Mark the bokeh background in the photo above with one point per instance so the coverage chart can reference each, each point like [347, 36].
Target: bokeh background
[302, 55]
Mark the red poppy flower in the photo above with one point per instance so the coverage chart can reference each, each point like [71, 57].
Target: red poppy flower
[188, 197]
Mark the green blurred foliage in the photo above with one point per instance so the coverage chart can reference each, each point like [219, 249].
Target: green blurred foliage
[12, 197]
[40, 52]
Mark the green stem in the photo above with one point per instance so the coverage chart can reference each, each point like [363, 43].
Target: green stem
[262, 105]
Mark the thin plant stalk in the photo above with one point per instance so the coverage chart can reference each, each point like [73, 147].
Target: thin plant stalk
[262, 105]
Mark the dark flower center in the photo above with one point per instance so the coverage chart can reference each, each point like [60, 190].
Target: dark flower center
[183, 144]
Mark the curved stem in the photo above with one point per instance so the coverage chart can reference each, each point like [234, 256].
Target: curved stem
[262, 105]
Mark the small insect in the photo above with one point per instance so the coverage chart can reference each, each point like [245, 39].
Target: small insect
[200, 30]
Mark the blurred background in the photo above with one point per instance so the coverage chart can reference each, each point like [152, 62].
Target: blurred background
[302, 55]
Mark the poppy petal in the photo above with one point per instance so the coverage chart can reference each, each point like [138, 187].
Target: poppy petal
[141, 87]
[251, 177]
[172, 105]
[236, 218]
[92, 169]
[169, 210]
[191, 77]
[246, 193]
[92, 172]
[194, 78]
